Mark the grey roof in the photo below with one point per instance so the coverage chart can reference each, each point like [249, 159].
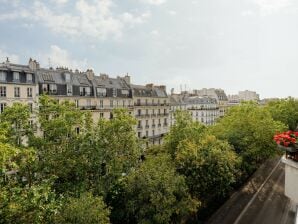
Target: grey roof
[58, 77]
[15, 67]
[108, 82]
[145, 91]
[221, 94]
[201, 100]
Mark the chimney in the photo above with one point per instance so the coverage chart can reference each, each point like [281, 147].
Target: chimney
[150, 85]
[103, 76]
[172, 91]
[33, 64]
[90, 74]
[126, 78]
[163, 88]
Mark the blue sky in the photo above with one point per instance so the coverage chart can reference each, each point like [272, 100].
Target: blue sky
[229, 44]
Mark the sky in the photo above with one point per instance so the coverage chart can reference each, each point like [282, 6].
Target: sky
[183, 44]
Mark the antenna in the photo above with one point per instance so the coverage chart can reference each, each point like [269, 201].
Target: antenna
[49, 60]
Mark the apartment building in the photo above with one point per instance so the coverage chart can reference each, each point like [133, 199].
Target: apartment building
[218, 94]
[98, 94]
[151, 109]
[17, 84]
[203, 109]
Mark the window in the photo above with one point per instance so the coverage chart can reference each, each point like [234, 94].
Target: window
[147, 133]
[30, 105]
[16, 76]
[30, 122]
[45, 88]
[53, 88]
[139, 134]
[101, 103]
[67, 77]
[2, 91]
[114, 92]
[69, 89]
[29, 77]
[88, 103]
[139, 124]
[125, 92]
[101, 115]
[2, 107]
[29, 92]
[101, 92]
[77, 103]
[123, 103]
[2, 76]
[85, 91]
[139, 112]
[16, 91]
[111, 103]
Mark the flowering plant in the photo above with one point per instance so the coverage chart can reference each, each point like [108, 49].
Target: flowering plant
[287, 139]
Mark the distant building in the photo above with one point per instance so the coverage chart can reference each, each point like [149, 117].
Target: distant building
[248, 96]
[218, 94]
[98, 94]
[203, 109]
[17, 84]
[243, 96]
[151, 109]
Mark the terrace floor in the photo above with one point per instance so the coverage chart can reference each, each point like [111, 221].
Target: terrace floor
[261, 200]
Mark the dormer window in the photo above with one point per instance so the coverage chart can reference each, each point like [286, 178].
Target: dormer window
[29, 77]
[67, 77]
[3, 76]
[101, 92]
[69, 89]
[16, 76]
[85, 91]
[53, 88]
[125, 92]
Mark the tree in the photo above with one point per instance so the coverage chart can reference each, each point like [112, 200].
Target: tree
[15, 120]
[112, 149]
[59, 148]
[250, 130]
[155, 193]
[285, 111]
[184, 128]
[23, 198]
[209, 167]
[82, 210]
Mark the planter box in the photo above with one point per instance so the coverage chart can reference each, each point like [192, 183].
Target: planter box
[291, 152]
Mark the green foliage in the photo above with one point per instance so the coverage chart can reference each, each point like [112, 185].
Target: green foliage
[184, 128]
[25, 204]
[83, 210]
[250, 130]
[209, 167]
[285, 111]
[113, 150]
[15, 120]
[155, 193]
[59, 149]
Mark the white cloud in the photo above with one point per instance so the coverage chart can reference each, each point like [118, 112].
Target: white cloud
[94, 20]
[61, 57]
[155, 33]
[247, 13]
[12, 57]
[60, 2]
[271, 6]
[154, 2]
[132, 19]
[172, 12]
